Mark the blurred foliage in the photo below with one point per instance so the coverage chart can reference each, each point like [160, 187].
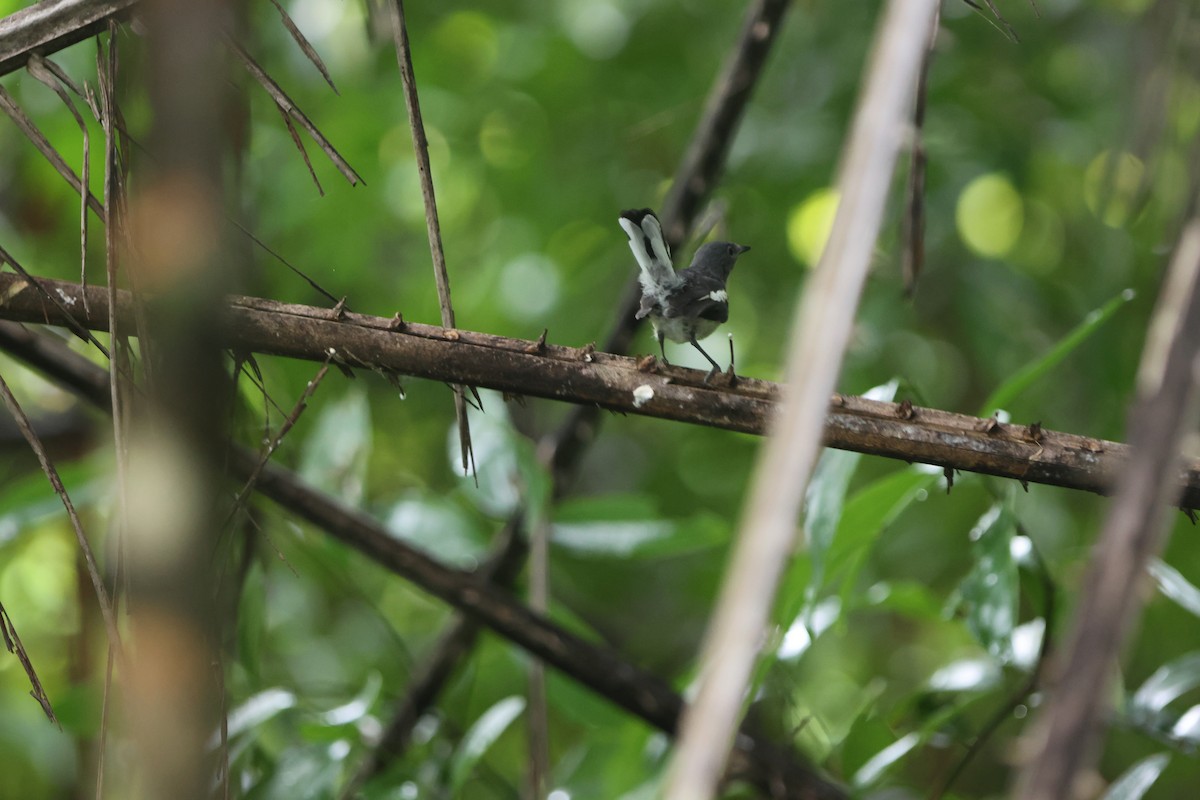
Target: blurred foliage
[1060, 169]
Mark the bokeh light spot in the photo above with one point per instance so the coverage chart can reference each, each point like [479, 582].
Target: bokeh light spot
[529, 285]
[990, 215]
[1110, 186]
[809, 224]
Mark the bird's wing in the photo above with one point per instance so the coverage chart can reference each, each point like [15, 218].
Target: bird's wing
[700, 297]
[651, 251]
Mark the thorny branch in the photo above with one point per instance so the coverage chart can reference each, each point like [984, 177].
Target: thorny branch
[1031, 454]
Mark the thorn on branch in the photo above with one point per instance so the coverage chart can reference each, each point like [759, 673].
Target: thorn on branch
[949, 473]
[905, 410]
[540, 345]
[397, 323]
[587, 351]
[338, 312]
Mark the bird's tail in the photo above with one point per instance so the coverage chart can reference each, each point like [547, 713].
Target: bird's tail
[649, 248]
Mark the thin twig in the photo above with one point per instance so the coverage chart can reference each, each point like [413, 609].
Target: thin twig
[821, 330]
[106, 609]
[539, 602]
[275, 441]
[12, 642]
[37, 67]
[309, 51]
[912, 251]
[421, 148]
[9, 105]
[289, 107]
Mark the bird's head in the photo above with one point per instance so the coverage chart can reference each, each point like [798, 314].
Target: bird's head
[718, 257]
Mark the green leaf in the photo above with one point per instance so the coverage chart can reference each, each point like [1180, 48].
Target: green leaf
[870, 511]
[1137, 780]
[878, 764]
[640, 538]
[989, 591]
[336, 452]
[440, 527]
[1029, 374]
[823, 504]
[481, 736]
[1168, 682]
[1174, 586]
[259, 708]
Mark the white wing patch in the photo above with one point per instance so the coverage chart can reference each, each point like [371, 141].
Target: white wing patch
[719, 295]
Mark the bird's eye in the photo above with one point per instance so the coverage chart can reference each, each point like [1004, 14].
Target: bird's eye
[732, 250]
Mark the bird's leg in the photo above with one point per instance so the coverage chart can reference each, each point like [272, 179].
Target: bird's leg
[715, 366]
[661, 348]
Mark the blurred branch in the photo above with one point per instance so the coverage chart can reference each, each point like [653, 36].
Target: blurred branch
[1028, 453]
[51, 25]
[596, 667]
[1066, 736]
[824, 316]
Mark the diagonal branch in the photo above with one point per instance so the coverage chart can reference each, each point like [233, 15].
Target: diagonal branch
[1030, 454]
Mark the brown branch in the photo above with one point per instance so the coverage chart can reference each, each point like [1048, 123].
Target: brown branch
[51, 25]
[597, 667]
[1067, 734]
[518, 366]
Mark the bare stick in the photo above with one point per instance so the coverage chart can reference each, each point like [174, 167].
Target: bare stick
[421, 147]
[821, 331]
[1066, 736]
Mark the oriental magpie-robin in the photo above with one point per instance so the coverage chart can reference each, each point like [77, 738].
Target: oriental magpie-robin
[687, 305]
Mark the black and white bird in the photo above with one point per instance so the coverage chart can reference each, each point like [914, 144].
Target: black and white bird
[687, 305]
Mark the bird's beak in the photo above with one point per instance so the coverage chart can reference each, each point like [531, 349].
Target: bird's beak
[742, 248]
